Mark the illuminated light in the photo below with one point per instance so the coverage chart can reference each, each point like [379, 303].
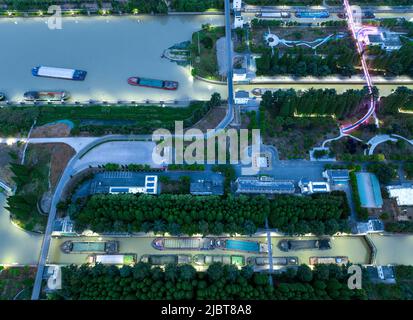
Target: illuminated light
[9, 13]
[135, 11]
[40, 13]
[10, 141]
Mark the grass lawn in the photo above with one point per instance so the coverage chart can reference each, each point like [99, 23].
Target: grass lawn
[203, 52]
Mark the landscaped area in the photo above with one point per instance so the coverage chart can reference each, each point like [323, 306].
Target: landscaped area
[99, 120]
[203, 52]
[16, 282]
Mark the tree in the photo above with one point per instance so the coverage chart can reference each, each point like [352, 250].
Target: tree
[304, 273]
[215, 100]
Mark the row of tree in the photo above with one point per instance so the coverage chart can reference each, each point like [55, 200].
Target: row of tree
[173, 213]
[401, 98]
[187, 214]
[339, 57]
[219, 282]
[319, 214]
[196, 5]
[314, 101]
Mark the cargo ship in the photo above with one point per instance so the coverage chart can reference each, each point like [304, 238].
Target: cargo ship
[2, 96]
[206, 259]
[153, 83]
[276, 261]
[312, 14]
[90, 247]
[329, 260]
[292, 245]
[273, 15]
[164, 259]
[112, 259]
[59, 73]
[46, 95]
[241, 245]
[183, 243]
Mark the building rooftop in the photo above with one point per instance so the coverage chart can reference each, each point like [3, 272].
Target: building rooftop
[337, 175]
[370, 226]
[242, 94]
[402, 193]
[264, 185]
[369, 190]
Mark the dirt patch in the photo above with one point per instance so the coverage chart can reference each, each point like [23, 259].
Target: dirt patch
[212, 119]
[51, 131]
[61, 154]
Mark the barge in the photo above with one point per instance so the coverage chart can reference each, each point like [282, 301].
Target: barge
[241, 245]
[153, 83]
[108, 247]
[164, 259]
[312, 14]
[293, 245]
[59, 73]
[46, 96]
[329, 260]
[183, 243]
[206, 259]
[112, 259]
[276, 261]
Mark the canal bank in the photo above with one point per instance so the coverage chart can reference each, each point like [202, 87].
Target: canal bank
[111, 49]
[17, 247]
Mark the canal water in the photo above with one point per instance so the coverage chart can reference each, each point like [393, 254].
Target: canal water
[355, 248]
[110, 49]
[16, 246]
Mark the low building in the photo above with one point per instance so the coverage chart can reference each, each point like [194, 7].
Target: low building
[309, 187]
[402, 193]
[369, 190]
[266, 185]
[206, 187]
[381, 274]
[240, 74]
[236, 5]
[150, 186]
[241, 97]
[370, 226]
[238, 20]
[386, 40]
[337, 176]
[63, 227]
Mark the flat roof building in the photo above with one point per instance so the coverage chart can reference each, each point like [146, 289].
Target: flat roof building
[370, 226]
[369, 190]
[150, 186]
[267, 185]
[402, 193]
[309, 187]
[241, 97]
[337, 176]
[385, 39]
